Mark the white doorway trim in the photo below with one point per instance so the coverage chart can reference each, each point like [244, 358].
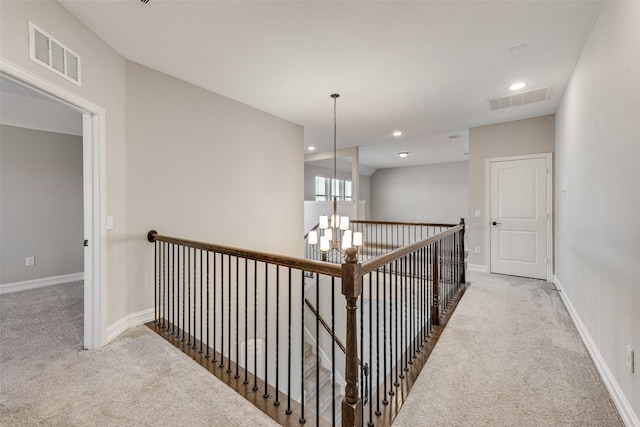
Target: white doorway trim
[94, 171]
[487, 203]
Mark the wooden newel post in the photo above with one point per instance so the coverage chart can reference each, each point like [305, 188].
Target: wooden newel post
[435, 305]
[463, 274]
[352, 289]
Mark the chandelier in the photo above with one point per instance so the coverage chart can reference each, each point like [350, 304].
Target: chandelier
[336, 234]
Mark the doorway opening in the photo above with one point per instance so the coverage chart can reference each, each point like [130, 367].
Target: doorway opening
[93, 239]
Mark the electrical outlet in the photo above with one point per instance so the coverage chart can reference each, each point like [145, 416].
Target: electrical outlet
[29, 261]
[630, 357]
[477, 249]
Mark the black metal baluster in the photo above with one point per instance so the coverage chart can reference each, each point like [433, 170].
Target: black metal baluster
[222, 310]
[333, 351]
[302, 418]
[289, 346]
[406, 346]
[411, 310]
[184, 289]
[208, 278]
[255, 326]
[370, 348]
[266, 331]
[156, 282]
[177, 334]
[163, 314]
[229, 370]
[421, 296]
[384, 333]
[201, 298]
[377, 342]
[318, 349]
[237, 318]
[277, 401]
[246, 321]
[189, 295]
[364, 368]
[168, 288]
[397, 318]
[195, 293]
[214, 358]
[173, 289]
[402, 315]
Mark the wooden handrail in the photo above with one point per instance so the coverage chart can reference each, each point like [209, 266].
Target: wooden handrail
[424, 224]
[373, 264]
[281, 260]
[325, 325]
[359, 221]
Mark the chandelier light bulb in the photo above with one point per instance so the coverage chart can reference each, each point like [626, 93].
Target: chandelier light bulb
[313, 237]
[324, 244]
[346, 242]
[328, 234]
[357, 239]
[324, 222]
[344, 222]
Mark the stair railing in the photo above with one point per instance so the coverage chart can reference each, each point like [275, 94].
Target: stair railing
[223, 306]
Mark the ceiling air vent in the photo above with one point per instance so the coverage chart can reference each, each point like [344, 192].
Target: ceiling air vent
[522, 98]
[51, 54]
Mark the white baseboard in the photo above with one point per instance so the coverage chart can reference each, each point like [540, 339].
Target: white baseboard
[477, 267]
[135, 319]
[40, 283]
[624, 407]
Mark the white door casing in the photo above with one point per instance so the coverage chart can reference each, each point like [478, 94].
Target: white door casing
[94, 171]
[520, 216]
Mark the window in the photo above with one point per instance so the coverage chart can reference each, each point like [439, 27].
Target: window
[321, 189]
[327, 189]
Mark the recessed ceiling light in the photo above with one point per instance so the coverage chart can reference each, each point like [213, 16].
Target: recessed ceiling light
[397, 133]
[312, 148]
[517, 86]
[403, 154]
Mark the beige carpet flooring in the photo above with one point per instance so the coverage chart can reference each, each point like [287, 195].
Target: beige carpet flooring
[137, 380]
[510, 356]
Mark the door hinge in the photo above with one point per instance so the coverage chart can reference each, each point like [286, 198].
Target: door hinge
[85, 243]
[547, 261]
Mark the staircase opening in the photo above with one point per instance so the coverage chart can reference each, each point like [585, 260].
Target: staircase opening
[314, 342]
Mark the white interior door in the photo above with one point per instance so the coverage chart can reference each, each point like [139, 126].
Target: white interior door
[519, 218]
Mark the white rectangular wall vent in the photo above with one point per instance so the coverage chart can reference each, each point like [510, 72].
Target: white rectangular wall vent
[522, 98]
[51, 54]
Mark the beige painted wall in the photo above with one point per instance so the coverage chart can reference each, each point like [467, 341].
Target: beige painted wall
[429, 193]
[530, 136]
[41, 201]
[597, 226]
[205, 167]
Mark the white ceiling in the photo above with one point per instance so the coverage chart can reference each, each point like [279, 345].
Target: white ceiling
[425, 68]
